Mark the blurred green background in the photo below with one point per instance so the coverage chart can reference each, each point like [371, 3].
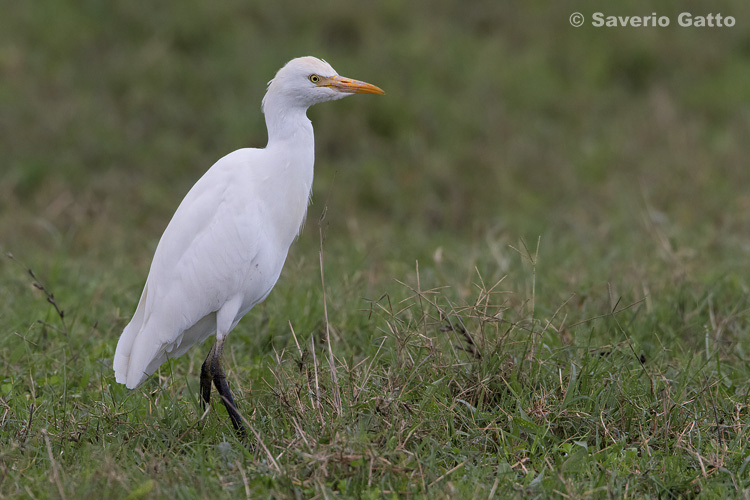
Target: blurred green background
[499, 117]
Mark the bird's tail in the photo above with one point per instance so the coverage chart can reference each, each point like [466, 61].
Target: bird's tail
[124, 368]
[149, 339]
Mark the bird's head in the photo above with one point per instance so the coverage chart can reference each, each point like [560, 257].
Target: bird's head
[305, 81]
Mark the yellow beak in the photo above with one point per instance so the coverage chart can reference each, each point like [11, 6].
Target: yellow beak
[350, 86]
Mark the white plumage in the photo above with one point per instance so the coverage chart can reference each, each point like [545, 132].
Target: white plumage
[223, 250]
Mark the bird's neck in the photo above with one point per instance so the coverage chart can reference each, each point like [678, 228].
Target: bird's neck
[291, 138]
[286, 123]
[292, 146]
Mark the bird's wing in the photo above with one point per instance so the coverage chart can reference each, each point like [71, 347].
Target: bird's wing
[209, 256]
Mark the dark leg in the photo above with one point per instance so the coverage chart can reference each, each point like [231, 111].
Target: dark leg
[211, 370]
[206, 378]
[220, 381]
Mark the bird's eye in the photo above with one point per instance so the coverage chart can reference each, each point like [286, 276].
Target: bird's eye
[314, 78]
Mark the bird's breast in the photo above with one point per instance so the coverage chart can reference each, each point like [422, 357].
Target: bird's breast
[285, 194]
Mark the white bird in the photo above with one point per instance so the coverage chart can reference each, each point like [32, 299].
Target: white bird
[224, 248]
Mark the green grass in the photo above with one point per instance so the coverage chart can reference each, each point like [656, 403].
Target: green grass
[535, 253]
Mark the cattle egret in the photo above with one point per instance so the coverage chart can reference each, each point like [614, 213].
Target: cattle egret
[224, 248]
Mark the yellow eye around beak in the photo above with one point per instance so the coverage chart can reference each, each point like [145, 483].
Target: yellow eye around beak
[349, 86]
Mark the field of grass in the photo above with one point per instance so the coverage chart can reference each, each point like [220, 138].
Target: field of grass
[536, 251]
